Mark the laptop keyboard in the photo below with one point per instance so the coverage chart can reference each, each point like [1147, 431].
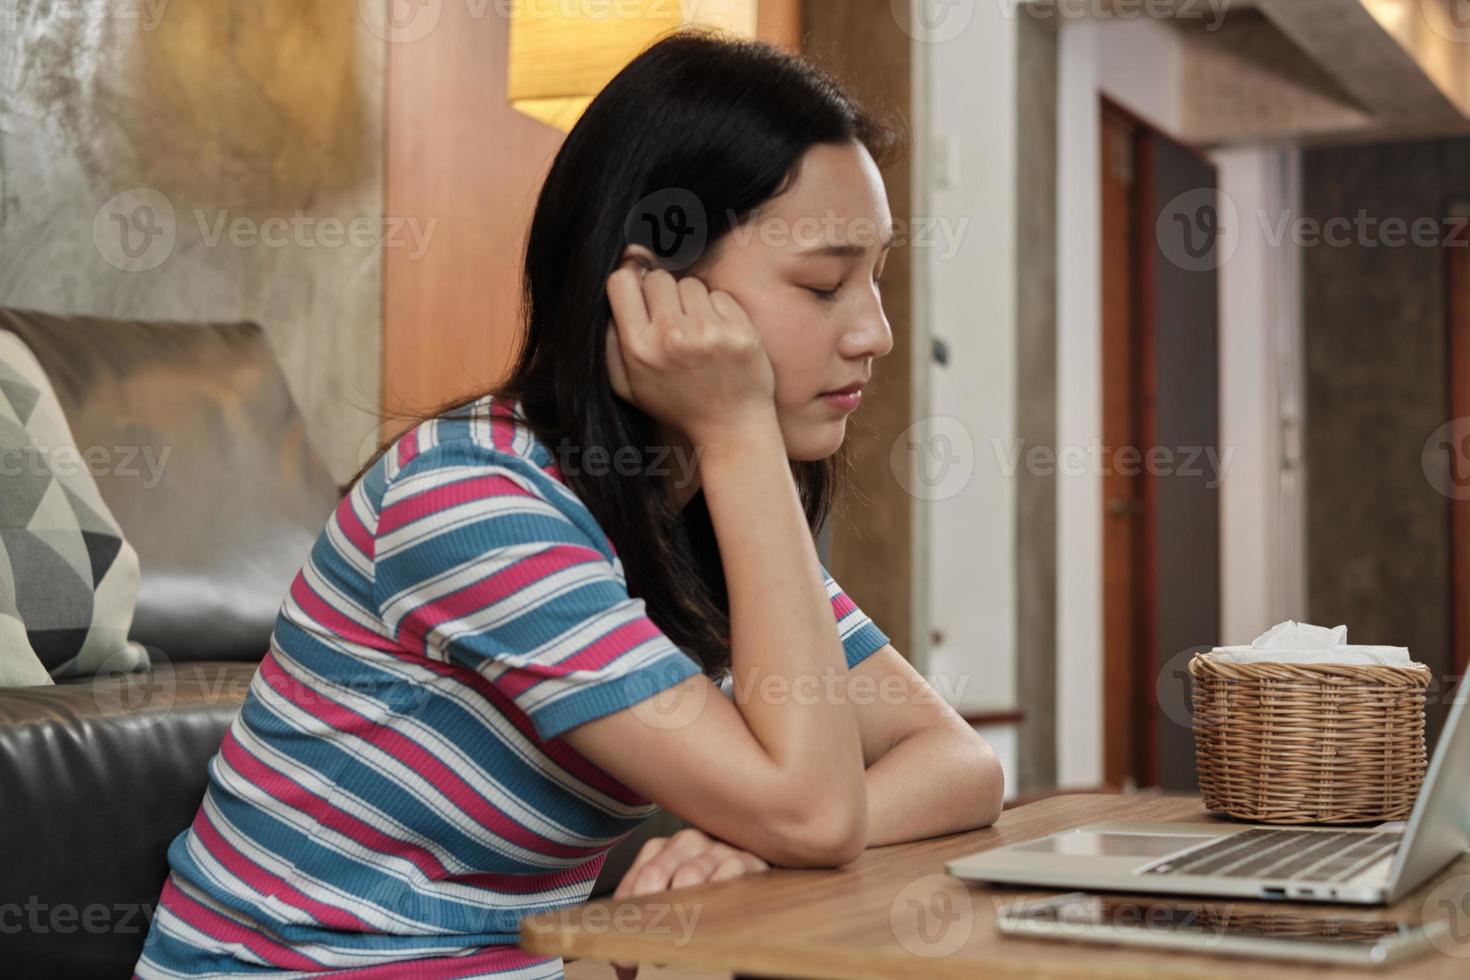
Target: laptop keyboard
[1292, 855]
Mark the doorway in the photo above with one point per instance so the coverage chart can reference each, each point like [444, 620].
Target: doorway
[1160, 360]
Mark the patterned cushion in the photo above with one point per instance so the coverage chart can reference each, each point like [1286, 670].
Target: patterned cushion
[19, 666]
[65, 570]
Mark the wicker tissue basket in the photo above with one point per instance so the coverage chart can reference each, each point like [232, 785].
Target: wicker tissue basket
[1308, 743]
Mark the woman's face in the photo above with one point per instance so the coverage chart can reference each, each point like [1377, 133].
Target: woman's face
[804, 268]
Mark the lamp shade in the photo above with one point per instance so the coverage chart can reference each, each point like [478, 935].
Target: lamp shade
[562, 52]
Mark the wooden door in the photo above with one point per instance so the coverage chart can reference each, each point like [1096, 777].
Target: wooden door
[1161, 549]
[1125, 623]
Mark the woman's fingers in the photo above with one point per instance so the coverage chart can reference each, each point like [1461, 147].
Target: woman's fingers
[661, 294]
[716, 864]
[698, 870]
[691, 357]
[651, 849]
[690, 857]
[731, 867]
[630, 311]
[631, 884]
[694, 296]
[659, 858]
[694, 864]
[655, 873]
[728, 307]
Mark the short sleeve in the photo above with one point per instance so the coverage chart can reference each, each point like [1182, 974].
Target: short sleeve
[860, 636]
[476, 565]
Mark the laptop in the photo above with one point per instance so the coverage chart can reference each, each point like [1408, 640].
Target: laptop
[1351, 866]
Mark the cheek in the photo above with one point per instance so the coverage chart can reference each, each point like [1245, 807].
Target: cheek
[798, 359]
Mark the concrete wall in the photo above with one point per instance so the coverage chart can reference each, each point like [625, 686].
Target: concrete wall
[1378, 531]
[966, 114]
[210, 160]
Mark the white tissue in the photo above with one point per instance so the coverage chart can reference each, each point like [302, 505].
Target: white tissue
[1302, 643]
[1294, 636]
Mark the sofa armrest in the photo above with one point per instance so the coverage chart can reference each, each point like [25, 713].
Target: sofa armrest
[97, 777]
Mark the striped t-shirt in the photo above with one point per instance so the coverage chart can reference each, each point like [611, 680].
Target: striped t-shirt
[393, 796]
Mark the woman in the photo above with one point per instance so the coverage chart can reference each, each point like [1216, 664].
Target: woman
[457, 715]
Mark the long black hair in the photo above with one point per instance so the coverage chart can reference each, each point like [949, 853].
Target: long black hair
[715, 126]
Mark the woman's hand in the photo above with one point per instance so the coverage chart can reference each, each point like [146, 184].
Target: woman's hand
[686, 355]
[689, 857]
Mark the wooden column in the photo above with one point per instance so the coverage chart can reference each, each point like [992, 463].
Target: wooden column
[1036, 400]
[459, 154]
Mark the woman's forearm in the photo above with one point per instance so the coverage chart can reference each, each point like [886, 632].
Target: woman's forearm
[785, 649]
[933, 782]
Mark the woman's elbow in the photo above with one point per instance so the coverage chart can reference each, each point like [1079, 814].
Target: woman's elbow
[992, 784]
[827, 836]
[840, 841]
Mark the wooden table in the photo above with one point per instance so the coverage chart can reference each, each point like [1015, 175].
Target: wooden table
[864, 920]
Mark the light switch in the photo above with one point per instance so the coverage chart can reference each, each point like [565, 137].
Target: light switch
[946, 166]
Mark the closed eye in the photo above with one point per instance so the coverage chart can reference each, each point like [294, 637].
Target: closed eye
[830, 294]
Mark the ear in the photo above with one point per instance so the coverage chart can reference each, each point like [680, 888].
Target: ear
[642, 255]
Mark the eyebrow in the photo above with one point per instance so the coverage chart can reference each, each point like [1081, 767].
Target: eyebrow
[845, 249]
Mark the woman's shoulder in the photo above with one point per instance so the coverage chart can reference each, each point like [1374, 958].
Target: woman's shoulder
[477, 474]
[488, 431]
[483, 448]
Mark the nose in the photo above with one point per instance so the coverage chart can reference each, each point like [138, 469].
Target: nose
[868, 333]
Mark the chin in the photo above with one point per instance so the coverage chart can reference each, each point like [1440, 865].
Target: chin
[816, 442]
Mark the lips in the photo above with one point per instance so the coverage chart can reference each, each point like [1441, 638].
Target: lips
[855, 386]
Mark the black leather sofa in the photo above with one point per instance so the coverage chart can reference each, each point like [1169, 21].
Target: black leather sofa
[97, 776]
